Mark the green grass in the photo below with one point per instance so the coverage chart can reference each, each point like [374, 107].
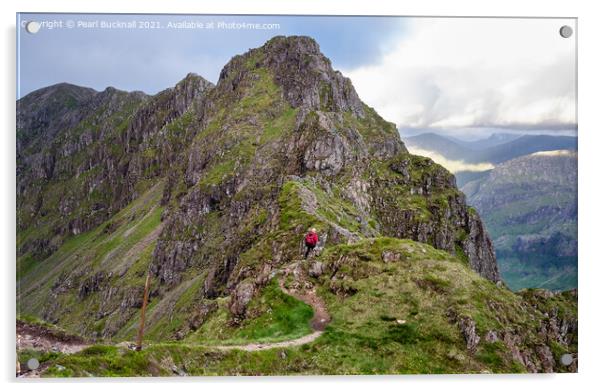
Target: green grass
[111, 246]
[43, 357]
[273, 316]
[256, 120]
[282, 317]
[390, 324]
[292, 213]
[164, 323]
[278, 127]
[106, 361]
[331, 208]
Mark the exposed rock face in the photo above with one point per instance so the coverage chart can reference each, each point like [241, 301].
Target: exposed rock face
[241, 297]
[91, 284]
[201, 314]
[468, 328]
[303, 73]
[528, 346]
[316, 269]
[96, 154]
[43, 113]
[444, 220]
[479, 249]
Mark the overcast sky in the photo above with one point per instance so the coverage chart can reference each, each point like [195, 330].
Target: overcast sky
[475, 74]
[465, 76]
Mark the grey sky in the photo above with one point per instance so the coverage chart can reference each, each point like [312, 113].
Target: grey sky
[463, 76]
[151, 60]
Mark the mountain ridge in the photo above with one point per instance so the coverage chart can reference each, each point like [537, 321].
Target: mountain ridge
[210, 189]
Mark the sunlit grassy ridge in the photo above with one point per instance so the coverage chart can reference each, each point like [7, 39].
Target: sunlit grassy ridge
[394, 318]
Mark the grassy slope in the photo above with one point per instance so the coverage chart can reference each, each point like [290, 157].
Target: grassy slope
[119, 246]
[364, 336]
[272, 317]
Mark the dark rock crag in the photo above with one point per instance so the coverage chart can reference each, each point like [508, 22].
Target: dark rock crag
[334, 139]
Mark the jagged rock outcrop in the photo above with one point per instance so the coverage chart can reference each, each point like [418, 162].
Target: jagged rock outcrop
[423, 203]
[303, 73]
[98, 153]
[44, 112]
[241, 297]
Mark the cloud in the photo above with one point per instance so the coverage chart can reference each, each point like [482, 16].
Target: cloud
[475, 72]
[452, 165]
[560, 152]
[154, 59]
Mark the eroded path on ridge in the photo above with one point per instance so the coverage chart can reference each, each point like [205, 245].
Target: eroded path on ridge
[38, 337]
[301, 289]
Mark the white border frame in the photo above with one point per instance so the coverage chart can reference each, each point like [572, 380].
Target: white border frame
[590, 148]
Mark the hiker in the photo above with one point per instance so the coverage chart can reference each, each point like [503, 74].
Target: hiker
[311, 240]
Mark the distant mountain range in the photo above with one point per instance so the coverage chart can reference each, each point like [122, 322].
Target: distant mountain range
[497, 148]
[529, 205]
[491, 141]
[525, 188]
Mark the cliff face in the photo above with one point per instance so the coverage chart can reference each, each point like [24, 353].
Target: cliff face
[211, 189]
[83, 155]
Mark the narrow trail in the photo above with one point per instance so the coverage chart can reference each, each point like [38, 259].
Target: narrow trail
[39, 338]
[301, 289]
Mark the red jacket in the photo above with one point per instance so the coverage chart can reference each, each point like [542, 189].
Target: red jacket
[311, 239]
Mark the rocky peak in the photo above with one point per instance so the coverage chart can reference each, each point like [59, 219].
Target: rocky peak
[281, 116]
[55, 92]
[193, 83]
[44, 112]
[305, 75]
[171, 103]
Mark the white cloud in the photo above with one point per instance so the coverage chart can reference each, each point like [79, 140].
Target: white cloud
[453, 166]
[449, 72]
[560, 152]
